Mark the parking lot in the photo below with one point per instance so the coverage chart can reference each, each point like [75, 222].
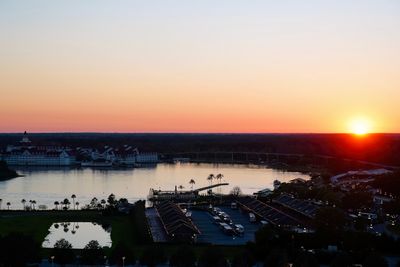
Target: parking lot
[211, 232]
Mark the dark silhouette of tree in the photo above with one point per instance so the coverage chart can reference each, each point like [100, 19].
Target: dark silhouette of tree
[66, 203]
[183, 257]
[62, 252]
[103, 203]
[375, 260]
[243, 259]
[212, 257]
[153, 256]
[342, 260]
[56, 203]
[23, 201]
[330, 219]
[219, 177]
[92, 253]
[276, 258]
[236, 191]
[17, 250]
[192, 182]
[111, 200]
[73, 200]
[305, 259]
[210, 178]
[121, 250]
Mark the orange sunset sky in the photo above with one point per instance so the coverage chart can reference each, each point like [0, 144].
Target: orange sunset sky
[199, 66]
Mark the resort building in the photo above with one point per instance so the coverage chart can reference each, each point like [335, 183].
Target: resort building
[30, 155]
[27, 154]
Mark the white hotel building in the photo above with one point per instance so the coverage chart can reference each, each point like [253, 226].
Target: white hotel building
[26, 154]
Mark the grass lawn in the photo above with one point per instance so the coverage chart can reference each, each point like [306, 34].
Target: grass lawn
[125, 229]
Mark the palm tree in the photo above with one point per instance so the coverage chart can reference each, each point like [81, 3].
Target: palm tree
[181, 187]
[192, 182]
[219, 177]
[73, 200]
[1, 201]
[30, 203]
[23, 201]
[8, 205]
[66, 203]
[77, 205]
[33, 203]
[210, 178]
[56, 203]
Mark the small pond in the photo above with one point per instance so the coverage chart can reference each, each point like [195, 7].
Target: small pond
[79, 234]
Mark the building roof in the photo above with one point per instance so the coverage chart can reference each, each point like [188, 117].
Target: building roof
[175, 221]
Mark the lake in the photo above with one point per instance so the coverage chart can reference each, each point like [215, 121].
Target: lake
[46, 185]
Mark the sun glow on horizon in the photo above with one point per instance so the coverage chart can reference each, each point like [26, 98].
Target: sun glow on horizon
[360, 126]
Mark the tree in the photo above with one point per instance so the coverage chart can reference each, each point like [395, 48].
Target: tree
[66, 203]
[219, 177]
[77, 205]
[210, 178]
[276, 258]
[62, 252]
[183, 257]
[111, 200]
[153, 256]
[103, 203]
[17, 249]
[236, 191]
[375, 260]
[94, 202]
[23, 201]
[92, 253]
[8, 205]
[56, 203]
[1, 201]
[243, 259]
[181, 187]
[305, 259]
[212, 257]
[330, 219]
[73, 200]
[121, 250]
[192, 182]
[342, 260]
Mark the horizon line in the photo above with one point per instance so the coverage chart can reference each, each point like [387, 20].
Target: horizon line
[200, 133]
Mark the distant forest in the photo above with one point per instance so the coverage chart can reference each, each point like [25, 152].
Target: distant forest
[380, 148]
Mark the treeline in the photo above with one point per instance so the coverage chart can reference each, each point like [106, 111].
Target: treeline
[382, 148]
[6, 172]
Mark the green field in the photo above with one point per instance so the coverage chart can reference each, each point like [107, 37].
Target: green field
[130, 230]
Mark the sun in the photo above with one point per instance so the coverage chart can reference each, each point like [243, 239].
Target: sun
[360, 127]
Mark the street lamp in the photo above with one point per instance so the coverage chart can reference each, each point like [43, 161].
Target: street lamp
[123, 261]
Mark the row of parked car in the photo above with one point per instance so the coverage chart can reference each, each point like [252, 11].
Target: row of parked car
[225, 223]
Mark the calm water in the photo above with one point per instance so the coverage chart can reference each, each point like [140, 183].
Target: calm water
[79, 234]
[48, 185]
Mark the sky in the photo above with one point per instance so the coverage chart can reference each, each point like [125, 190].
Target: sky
[199, 66]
